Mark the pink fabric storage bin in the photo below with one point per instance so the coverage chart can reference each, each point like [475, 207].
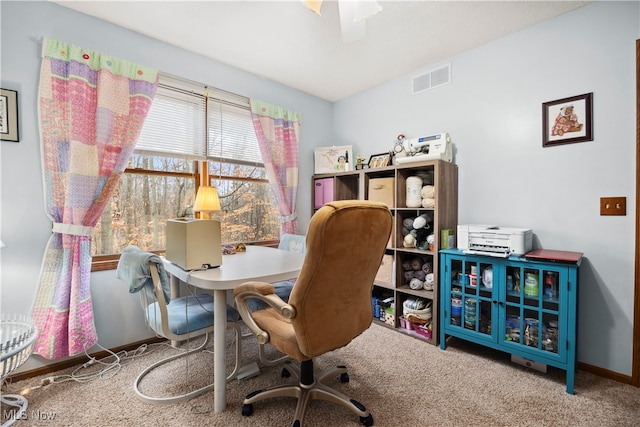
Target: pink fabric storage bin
[323, 192]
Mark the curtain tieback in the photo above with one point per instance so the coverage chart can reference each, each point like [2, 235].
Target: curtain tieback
[76, 230]
[289, 218]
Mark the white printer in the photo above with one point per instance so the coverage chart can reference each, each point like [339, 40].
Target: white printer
[493, 240]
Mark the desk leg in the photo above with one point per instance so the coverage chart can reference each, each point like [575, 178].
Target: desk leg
[174, 284]
[219, 351]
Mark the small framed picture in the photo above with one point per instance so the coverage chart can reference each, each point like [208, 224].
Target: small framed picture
[380, 160]
[9, 115]
[567, 120]
[332, 159]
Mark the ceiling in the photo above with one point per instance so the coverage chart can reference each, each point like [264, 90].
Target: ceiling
[286, 42]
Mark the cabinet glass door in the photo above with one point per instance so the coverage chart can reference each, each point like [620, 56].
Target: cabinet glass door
[532, 315]
[471, 299]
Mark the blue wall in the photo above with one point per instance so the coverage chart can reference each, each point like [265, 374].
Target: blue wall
[492, 110]
[24, 226]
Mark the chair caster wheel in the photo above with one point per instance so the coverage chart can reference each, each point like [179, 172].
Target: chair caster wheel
[367, 421]
[247, 410]
[285, 373]
[344, 378]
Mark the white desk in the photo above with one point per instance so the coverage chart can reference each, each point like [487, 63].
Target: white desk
[257, 263]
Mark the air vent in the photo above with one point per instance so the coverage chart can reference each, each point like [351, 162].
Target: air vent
[434, 78]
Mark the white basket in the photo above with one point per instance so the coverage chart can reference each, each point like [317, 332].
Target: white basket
[17, 338]
[420, 316]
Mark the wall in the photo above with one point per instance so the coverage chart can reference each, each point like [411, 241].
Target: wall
[24, 226]
[492, 110]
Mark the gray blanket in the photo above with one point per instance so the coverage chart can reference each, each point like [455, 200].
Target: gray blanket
[133, 269]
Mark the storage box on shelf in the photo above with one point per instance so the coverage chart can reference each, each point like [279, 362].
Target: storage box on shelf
[389, 185]
[337, 186]
[523, 307]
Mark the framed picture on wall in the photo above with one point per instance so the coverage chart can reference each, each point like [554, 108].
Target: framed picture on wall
[380, 160]
[567, 120]
[9, 115]
[332, 159]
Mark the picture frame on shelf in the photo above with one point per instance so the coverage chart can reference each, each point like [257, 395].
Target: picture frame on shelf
[9, 115]
[567, 120]
[380, 160]
[332, 159]
[360, 163]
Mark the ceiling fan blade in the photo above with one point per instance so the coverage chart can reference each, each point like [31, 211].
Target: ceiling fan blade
[365, 9]
[313, 5]
[352, 30]
[353, 14]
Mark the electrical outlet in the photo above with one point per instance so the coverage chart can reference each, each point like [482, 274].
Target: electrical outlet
[613, 205]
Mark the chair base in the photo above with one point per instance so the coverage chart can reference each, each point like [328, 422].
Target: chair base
[18, 402]
[173, 399]
[307, 388]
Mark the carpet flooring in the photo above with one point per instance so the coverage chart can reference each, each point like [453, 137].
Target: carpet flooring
[401, 380]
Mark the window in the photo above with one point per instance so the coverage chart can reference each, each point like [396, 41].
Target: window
[189, 130]
[236, 169]
[152, 190]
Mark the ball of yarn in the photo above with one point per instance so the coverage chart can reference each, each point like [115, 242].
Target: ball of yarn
[427, 192]
[428, 203]
[414, 187]
[419, 222]
[420, 275]
[423, 246]
[228, 249]
[416, 264]
[409, 241]
[408, 223]
[416, 284]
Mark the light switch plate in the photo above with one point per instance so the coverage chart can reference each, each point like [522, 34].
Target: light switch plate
[613, 206]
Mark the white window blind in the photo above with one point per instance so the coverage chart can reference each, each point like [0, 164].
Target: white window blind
[175, 124]
[193, 121]
[230, 129]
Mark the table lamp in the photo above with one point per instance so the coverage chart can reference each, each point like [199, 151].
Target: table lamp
[196, 243]
[207, 201]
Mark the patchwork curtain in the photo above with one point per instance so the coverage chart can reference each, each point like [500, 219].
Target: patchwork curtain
[91, 110]
[278, 130]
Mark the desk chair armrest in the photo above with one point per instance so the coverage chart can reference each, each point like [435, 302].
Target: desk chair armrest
[265, 292]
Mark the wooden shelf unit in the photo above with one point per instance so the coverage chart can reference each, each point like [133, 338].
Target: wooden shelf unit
[444, 177]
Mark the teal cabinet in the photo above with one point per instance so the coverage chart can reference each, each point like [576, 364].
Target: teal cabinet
[523, 307]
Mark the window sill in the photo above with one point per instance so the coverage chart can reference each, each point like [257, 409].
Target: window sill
[110, 262]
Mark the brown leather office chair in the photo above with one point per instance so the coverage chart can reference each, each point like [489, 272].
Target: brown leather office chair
[329, 305]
